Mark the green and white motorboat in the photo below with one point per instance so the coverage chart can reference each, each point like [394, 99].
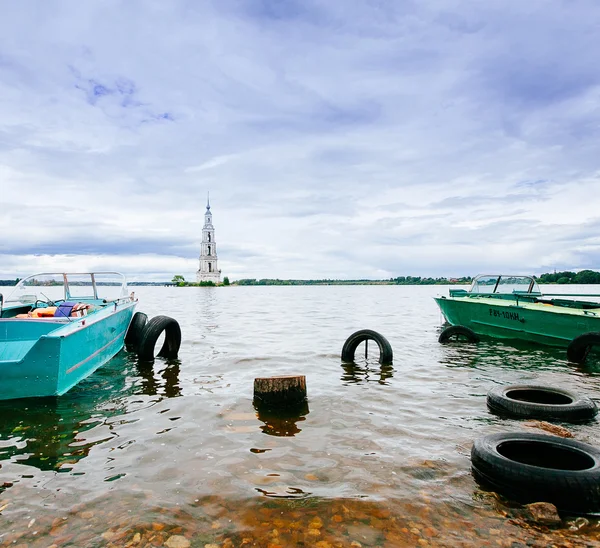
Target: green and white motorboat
[514, 307]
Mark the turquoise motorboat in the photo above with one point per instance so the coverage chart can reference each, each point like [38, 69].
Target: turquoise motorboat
[58, 328]
[514, 307]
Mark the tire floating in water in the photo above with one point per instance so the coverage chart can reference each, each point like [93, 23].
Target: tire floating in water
[529, 467]
[458, 333]
[136, 327]
[540, 402]
[152, 331]
[386, 354]
[580, 347]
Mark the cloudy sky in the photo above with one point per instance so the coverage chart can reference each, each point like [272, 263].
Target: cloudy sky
[337, 138]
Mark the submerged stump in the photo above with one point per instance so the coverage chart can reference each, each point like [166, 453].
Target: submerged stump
[279, 392]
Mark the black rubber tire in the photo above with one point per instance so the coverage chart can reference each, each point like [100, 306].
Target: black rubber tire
[580, 346]
[152, 331]
[136, 327]
[540, 402]
[386, 354]
[529, 467]
[458, 333]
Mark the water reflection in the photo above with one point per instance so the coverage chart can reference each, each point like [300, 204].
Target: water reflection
[503, 354]
[284, 493]
[282, 422]
[591, 366]
[39, 433]
[160, 377]
[355, 373]
[53, 433]
[208, 307]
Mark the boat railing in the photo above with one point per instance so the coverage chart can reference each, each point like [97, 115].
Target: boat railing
[74, 286]
[120, 300]
[572, 294]
[515, 293]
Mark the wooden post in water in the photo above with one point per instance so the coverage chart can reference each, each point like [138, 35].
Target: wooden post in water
[280, 391]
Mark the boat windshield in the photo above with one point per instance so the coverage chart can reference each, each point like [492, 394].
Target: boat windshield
[64, 286]
[504, 284]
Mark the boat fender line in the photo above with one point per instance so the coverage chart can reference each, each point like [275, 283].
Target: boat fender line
[540, 402]
[530, 467]
[152, 331]
[386, 354]
[580, 346]
[134, 333]
[458, 333]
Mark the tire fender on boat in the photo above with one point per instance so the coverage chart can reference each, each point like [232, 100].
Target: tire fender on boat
[540, 402]
[386, 354]
[136, 327]
[530, 467]
[458, 333]
[580, 346]
[152, 331]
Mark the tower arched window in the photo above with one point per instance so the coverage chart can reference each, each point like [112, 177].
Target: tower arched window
[209, 236]
[210, 267]
[209, 250]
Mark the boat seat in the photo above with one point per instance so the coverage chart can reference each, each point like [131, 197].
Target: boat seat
[46, 312]
[63, 310]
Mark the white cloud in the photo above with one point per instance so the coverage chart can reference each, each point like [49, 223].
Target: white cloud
[337, 139]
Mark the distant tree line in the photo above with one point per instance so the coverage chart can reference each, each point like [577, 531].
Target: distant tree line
[179, 281]
[150, 283]
[400, 280]
[566, 277]
[277, 281]
[581, 277]
[417, 280]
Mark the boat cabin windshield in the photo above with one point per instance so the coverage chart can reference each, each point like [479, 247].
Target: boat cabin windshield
[502, 284]
[63, 286]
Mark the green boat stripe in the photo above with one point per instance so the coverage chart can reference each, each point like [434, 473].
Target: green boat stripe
[121, 334]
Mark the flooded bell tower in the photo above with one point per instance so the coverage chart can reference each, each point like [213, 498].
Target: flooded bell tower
[208, 271]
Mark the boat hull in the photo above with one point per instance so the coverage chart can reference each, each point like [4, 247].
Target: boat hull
[510, 319]
[41, 358]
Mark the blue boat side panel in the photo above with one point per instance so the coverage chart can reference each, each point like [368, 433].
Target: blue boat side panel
[28, 329]
[17, 337]
[14, 351]
[34, 376]
[86, 349]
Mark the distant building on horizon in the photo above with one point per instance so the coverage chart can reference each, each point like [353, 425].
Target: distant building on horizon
[208, 271]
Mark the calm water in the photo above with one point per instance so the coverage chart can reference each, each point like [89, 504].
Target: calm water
[176, 453]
